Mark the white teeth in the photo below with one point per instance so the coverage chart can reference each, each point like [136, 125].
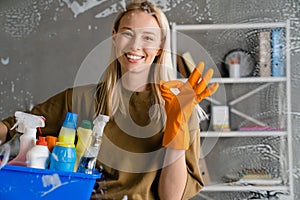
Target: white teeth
[133, 57]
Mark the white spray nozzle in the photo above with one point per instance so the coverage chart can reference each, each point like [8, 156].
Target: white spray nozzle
[27, 121]
[101, 118]
[125, 197]
[99, 124]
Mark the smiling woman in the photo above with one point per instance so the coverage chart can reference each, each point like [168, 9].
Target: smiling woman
[137, 43]
[140, 156]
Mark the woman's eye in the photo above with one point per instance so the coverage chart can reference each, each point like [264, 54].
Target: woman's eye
[128, 34]
[148, 38]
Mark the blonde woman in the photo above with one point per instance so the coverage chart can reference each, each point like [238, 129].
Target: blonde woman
[138, 156]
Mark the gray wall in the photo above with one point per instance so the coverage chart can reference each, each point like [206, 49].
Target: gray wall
[44, 45]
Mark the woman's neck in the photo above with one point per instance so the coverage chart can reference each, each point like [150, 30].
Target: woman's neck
[135, 82]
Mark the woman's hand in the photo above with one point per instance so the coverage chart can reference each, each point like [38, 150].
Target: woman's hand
[180, 107]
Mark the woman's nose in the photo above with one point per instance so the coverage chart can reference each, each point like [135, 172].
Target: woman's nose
[135, 43]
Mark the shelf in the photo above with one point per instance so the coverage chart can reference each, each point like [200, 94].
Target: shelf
[246, 80]
[235, 188]
[249, 80]
[282, 84]
[245, 185]
[242, 133]
[195, 27]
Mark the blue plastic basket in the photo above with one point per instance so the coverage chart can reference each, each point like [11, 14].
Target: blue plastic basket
[17, 182]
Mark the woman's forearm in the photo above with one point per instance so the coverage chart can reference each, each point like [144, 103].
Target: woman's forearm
[173, 177]
[3, 132]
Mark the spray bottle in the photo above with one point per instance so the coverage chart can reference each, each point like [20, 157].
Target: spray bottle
[27, 125]
[88, 161]
[84, 134]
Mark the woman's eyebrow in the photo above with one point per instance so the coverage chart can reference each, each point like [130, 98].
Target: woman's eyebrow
[149, 32]
[125, 28]
[146, 31]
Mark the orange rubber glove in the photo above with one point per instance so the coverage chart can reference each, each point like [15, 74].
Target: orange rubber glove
[180, 107]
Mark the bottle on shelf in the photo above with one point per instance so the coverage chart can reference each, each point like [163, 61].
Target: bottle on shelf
[88, 161]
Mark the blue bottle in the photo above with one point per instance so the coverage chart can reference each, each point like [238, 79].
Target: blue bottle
[63, 157]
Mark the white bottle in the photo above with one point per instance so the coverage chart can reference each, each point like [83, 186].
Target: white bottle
[234, 70]
[38, 156]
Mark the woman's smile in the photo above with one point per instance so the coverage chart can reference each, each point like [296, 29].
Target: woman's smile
[134, 58]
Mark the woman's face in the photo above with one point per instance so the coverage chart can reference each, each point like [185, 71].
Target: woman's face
[137, 41]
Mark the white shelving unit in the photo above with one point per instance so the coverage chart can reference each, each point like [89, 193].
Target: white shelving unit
[243, 133]
[286, 133]
[231, 188]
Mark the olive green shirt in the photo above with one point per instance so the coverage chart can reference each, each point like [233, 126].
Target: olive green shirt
[131, 153]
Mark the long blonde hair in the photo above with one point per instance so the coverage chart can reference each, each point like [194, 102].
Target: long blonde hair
[108, 96]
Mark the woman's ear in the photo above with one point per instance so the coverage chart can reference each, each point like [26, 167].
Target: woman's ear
[114, 33]
[159, 52]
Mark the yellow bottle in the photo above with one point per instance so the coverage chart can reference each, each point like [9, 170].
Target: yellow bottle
[68, 130]
[84, 134]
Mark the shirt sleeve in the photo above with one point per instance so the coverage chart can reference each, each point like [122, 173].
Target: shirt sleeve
[194, 181]
[54, 110]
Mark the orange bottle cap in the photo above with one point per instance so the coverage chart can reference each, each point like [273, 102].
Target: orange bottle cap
[42, 141]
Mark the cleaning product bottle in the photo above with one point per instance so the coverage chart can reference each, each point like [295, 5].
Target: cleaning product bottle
[63, 157]
[84, 133]
[51, 141]
[68, 130]
[38, 156]
[88, 161]
[27, 125]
